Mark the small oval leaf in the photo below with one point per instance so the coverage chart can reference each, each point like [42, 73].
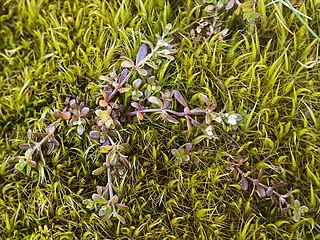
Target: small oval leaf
[261, 190]
[98, 171]
[94, 134]
[105, 149]
[180, 98]
[80, 129]
[99, 199]
[155, 101]
[142, 53]
[127, 64]
[244, 184]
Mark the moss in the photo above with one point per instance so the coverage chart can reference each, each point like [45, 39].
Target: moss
[50, 50]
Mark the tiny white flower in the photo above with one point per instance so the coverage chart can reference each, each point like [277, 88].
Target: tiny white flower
[218, 119]
[232, 120]
[209, 131]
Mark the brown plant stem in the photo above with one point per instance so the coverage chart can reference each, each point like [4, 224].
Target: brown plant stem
[253, 180]
[180, 114]
[110, 183]
[121, 84]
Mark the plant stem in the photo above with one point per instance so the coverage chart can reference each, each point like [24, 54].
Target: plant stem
[252, 180]
[110, 182]
[180, 114]
[121, 84]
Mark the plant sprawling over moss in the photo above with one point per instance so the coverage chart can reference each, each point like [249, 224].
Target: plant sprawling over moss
[159, 120]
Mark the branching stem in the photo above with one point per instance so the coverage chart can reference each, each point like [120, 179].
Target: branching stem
[149, 110]
[253, 180]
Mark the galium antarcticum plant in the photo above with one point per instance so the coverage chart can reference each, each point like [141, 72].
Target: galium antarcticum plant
[214, 19]
[29, 160]
[147, 101]
[266, 191]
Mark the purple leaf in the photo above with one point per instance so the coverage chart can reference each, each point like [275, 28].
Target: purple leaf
[244, 184]
[80, 129]
[122, 206]
[123, 75]
[269, 191]
[123, 90]
[197, 111]
[155, 67]
[180, 98]
[169, 57]
[73, 103]
[142, 53]
[205, 99]
[142, 71]
[56, 143]
[230, 4]
[85, 111]
[50, 148]
[169, 118]
[286, 195]
[188, 147]
[136, 83]
[66, 115]
[261, 190]
[25, 146]
[56, 113]
[189, 126]
[94, 134]
[195, 123]
[174, 151]
[135, 105]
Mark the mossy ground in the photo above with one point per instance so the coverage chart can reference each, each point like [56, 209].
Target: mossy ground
[53, 49]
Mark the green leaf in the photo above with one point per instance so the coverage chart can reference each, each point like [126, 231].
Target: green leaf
[89, 203]
[28, 154]
[155, 101]
[99, 199]
[28, 169]
[98, 171]
[99, 113]
[106, 212]
[20, 166]
[105, 149]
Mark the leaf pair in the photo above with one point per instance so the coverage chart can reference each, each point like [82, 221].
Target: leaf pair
[140, 61]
